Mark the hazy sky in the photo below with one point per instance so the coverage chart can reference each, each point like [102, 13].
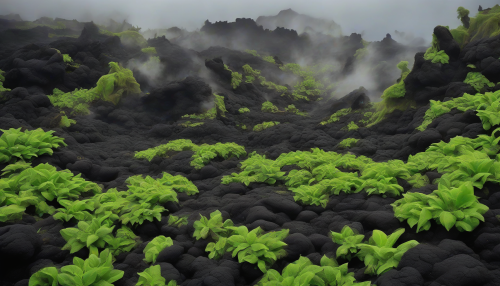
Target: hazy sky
[374, 17]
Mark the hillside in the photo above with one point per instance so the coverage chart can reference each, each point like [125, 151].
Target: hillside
[248, 154]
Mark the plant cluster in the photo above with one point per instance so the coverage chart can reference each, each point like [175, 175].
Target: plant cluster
[177, 221]
[251, 75]
[398, 90]
[265, 125]
[348, 143]
[256, 169]
[155, 246]
[65, 121]
[243, 110]
[292, 109]
[188, 124]
[477, 81]
[303, 272]
[236, 77]
[27, 144]
[336, 116]
[95, 270]
[151, 276]
[435, 54]
[202, 153]
[269, 107]
[149, 50]
[351, 126]
[2, 79]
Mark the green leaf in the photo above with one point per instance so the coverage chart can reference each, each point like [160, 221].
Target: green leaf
[447, 220]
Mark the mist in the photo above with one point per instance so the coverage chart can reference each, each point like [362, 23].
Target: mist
[371, 18]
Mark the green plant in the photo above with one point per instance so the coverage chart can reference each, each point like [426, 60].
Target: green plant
[155, 246]
[214, 226]
[132, 37]
[236, 77]
[177, 221]
[477, 81]
[348, 143]
[95, 270]
[252, 52]
[265, 125]
[243, 110]
[256, 169]
[309, 87]
[352, 126]
[269, 59]
[398, 89]
[11, 213]
[118, 82]
[349, 241]
[299, 177]
[74, 209]
[67, 58]
[471, 66]
[124, 241]
[448, 206]
[27, 144]
[379, 255]
[151, 276]
[93, 235]
[219, 105]
[291, 108]
[174, 145]
[269, 107]
[336, 116]
[435, 54]
[74, 102]
[66, 122]
[205, 153]
[254, 248]
[45, 277]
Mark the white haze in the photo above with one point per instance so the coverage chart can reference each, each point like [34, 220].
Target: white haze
[372, 18]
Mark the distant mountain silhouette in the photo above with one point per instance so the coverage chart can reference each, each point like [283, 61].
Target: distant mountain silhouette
[300, 23]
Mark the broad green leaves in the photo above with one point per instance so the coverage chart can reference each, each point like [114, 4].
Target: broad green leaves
[155, 246]
[349, 241]
[214, 226]
[25, 145]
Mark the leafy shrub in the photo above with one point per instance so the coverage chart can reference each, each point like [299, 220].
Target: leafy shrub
[336, 116]
[349, 241]
[448, 206]
[291, 108]
[219, 105]
[218, 248]
[131, 37]
[269, 59]
[243, 110]
[67, 58]
[45, 276]
[351, 126]
[74, 102]
[27, 144]
[236, 77]
[309, 87]
[252, 52]
[382, 186]
[118, 82]
[151, 276]
[299, 177]
[265, 125]
[11, 213]
[205, 153]
[398, 90]
[214, 226]
[155, 246]
[177, 221]
[74, 209]
[174, 145]
[93, 235]
[435, 54]
[348, 143]
[256, 169]
[124, 241]
[477, 81]
[254, 248]
[66, 122]
[269, 107]
[379, 255]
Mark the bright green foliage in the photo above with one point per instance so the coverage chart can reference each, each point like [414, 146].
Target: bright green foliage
[382, 186]
[149, 50]
[66, 122]
[93, 235]
[44, 277]
[398, 90]
[32, 186]
[265, 125]
[271, 85]
[462, 12]
[118, 82]
[95, 270]
[435, 54]
[448, 206]
[348, 143]
[11, 212]
[67, 58]
[250, 73]
[471, 66]
[236, 77]
[477, 81]
[485, 24]
[269, 107]
[2, 79]
[124, 241]
[254, 248]
[349, 241]
[391, 168]
[131, 37]
[174, 145]
[269, 59]
[379, 255]
[75, 209]
[256, 169]
[243, 110]
[205, 153]
[299, 177]
[24, 145]
[303, 272]
[214, 226]
[336, 116]
[75, 102]
[177, 221]
[352, 126]
[155, 246]
[151, 276]
[309, 87]
[217, 249]
[291, 108]
[419, 180]
[219, 105]
[460, 35]
[191, 124]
